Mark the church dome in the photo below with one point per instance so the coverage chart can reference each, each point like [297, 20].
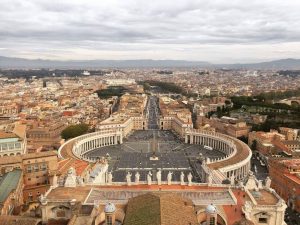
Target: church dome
[211, 209]
[109, 208]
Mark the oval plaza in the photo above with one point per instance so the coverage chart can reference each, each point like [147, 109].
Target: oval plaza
[130, 145]
[146, 158]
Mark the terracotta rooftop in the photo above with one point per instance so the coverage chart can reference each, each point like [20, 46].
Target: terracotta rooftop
[64, 165]
[39, 154]
[18, 158]
[66, 151]
[18, 220]
[4, 135]
[10, 160]
[57, 222]
[280, 145]
[291, 142]
[234, 212]
[293, 177]
[244, 221]
[78, 165]
[242, 154]
[160, 209]
[291, 163]
[20, 130]
[263, 197]
[65, 193]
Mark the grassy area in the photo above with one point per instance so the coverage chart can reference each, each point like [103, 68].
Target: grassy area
[164, 86]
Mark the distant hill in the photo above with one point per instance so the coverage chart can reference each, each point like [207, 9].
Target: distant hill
[282, 64]
[17, 63]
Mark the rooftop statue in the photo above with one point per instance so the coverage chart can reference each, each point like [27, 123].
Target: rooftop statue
[158, 177]
[137, 177]
[149, 178]
[169, 178]
[128, 178]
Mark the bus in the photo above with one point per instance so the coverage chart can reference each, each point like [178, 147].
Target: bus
[208, 147]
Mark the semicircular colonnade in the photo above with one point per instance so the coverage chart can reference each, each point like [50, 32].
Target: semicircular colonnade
[236, 161]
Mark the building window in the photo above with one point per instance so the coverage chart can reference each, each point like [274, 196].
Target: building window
[212, 221]
[108, 220]
[36, 167]
[29, 169]
[263, 220]
[44, 166]
[18, 145]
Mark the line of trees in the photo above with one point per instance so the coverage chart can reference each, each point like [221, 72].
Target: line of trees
[277, 95]
[164, 86]
[274, 124]
[261, 101]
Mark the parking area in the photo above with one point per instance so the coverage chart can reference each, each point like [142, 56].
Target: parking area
[152, 112]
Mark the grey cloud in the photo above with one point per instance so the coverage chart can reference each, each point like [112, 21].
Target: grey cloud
[141, 24]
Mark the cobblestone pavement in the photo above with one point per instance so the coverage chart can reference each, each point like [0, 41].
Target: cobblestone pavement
[135, 152]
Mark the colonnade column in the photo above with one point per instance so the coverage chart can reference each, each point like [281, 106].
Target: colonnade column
[191, 139]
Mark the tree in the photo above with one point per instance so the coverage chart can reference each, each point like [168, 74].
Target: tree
[243, 139]
[147, 86]
[254, 145]
[227, 102]
[209, 114]
[74, 131]
[219, 112]
[164, 86]
[111, 91]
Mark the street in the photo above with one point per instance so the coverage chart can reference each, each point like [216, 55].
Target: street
[152, 112]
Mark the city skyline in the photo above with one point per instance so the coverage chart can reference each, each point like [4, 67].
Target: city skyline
[190, 30]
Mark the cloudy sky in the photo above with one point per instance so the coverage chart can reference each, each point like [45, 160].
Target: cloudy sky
[218, 31]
